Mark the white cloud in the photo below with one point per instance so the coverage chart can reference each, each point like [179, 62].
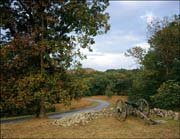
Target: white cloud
[104, 61]
[148, 17]
[116, 41]
[143, 45]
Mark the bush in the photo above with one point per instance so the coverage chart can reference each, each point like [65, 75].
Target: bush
[168, 96]
[144, 86]
[109, 93]
[49, 107]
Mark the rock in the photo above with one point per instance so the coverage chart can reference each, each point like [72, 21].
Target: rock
[160, 121]
[169, 114]
[111, 108]
[176, 116]
[82, 118]
[85, 117]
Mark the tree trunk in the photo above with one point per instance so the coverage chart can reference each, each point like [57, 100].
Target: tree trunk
[41, 112]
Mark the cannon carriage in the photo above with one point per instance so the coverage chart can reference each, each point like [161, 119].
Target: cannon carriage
[140, 108]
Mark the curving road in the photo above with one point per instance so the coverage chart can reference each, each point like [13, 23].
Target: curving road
[102, 104]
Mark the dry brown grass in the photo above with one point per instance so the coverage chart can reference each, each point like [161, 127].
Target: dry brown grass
[112, 99]
[86, 103]
[133, 127]
[75, 104]
[99, 128]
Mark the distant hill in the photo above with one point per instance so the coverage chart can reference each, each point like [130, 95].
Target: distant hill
[90, 70]
[121, 70]
[85, 70]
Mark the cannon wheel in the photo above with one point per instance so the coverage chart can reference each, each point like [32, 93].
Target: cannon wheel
[143, 107]
[121, 110]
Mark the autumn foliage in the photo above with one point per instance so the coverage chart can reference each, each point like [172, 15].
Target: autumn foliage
[40, 40]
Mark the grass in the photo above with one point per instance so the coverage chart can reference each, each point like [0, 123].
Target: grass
[112, 99]
[75, 104]
[16, 117]
[99, 128]
[133, 127]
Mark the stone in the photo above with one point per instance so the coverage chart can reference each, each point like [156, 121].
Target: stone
[160, 121]
[82, 118]
[176, 116]
[85, 117]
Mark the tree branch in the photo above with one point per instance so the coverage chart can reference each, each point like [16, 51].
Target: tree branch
[65, 29]
[27, 11]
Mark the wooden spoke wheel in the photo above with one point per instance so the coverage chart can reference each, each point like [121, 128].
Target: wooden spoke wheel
[121, 110]
[143, 107]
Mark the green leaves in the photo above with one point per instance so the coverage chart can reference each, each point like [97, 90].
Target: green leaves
[165, 46]
[136, 52]
[159, 66]
[168, 95]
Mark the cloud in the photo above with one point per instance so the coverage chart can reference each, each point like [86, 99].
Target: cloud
[104, 61]
[143, 45]
[116, 42]
[148, 17]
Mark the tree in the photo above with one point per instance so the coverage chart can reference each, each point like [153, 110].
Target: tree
[77, 84]
[161, 63]
[43, 37]
[136, 52]
[168, 95]
[165, 50]
[144, 85]
[111, 82]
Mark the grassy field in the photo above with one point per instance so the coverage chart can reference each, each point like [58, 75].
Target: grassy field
[99, 128]
[133, 127]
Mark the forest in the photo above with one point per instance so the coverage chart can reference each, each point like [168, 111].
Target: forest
[40, 58]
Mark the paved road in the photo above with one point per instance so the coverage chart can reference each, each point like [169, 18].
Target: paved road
[102, 104]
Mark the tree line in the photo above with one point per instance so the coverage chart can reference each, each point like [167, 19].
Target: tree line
[109, 83]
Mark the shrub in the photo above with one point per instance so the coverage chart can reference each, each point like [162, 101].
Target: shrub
[109, 93]
[168, 96]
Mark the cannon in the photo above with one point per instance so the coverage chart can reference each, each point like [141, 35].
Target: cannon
[140, 108]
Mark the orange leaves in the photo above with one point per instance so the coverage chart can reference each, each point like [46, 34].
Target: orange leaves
[45, 65]
[3, 52]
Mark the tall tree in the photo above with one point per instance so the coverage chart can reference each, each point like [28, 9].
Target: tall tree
[136, 52]
[41, 37]
[165, 50]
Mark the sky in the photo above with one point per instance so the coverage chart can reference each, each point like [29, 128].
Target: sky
[128, 20]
